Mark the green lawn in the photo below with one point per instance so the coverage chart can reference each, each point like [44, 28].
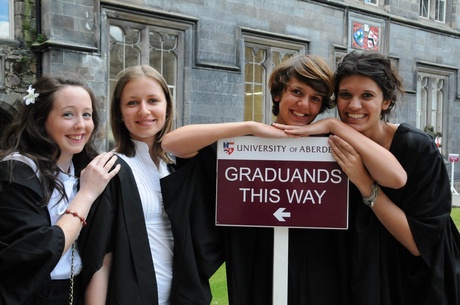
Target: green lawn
[219, 287]
[219, 283]
[456, 216]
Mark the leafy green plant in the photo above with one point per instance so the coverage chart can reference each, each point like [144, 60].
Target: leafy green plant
[40, 38]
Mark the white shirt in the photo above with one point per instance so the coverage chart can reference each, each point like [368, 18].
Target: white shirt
[147, 177]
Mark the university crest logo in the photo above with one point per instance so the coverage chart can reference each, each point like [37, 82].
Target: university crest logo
[229, 147]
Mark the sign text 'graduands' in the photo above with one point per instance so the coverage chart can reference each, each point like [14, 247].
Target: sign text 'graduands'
[289, 182]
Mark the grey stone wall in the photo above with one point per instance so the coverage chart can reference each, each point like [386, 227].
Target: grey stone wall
[69, 38]
[18, 60]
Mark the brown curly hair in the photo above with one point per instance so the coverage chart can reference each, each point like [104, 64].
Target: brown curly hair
[375, 66]
[309, 69]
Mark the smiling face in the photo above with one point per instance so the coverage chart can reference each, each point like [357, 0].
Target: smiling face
[360, 103]
[143, 109]
[70, 122]
[299, 104]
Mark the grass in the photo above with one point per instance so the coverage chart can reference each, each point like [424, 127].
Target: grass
[219, 287]
[455, 214]
[219, 281]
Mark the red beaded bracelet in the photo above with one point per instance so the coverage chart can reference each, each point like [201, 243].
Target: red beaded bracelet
[83, 221]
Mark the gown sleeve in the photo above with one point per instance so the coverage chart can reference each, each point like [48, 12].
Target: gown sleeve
[96, 238]
[426, 198]
[116, 224]
[190, 204]
[30, 247]
[427, 201]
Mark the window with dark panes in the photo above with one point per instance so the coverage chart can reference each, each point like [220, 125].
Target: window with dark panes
[132, 45]
[131, 41]
[261, 56]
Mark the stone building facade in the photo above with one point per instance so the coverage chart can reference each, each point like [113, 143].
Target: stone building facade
[217, 54]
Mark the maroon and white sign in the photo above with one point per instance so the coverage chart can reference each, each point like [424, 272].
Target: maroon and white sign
[453, 157]
[291, 182]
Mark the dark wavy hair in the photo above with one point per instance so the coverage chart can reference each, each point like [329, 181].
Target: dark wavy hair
[123, 141]
[27, 134]
[309, 69]
[378, 68]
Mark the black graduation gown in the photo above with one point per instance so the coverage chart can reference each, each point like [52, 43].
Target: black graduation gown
[116, 224]
[386, 273]
[189, 199]
[30, 247]
[317, 268]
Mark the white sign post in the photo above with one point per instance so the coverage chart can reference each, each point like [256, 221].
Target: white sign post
[453, 158]
[280, 265]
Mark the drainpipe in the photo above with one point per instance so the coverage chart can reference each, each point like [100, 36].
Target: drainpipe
[38, 14]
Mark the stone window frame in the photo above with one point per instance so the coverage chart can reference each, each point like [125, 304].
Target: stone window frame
[271, 44]
[440, 7]
[373, 2]
[435, 10]
[144, 49]
[10, 20]
[425, 9]
[181, 26]
[436, 76]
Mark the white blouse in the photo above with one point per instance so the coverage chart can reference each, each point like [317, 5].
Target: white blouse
[147, 177]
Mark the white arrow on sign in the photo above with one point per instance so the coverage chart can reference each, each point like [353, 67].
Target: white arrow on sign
[280, 214]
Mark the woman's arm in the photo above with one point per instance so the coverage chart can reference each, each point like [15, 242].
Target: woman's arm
[360, 174]
[379, 161]
[93, 180]
[186, 141]
[96, 292]
[395, 221]
[390, 215]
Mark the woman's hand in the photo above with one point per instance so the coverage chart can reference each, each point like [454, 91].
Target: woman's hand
[321, 127]
[350, 162]
[93, 180]
[97, 174]
[381, 164]
[266, 131]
